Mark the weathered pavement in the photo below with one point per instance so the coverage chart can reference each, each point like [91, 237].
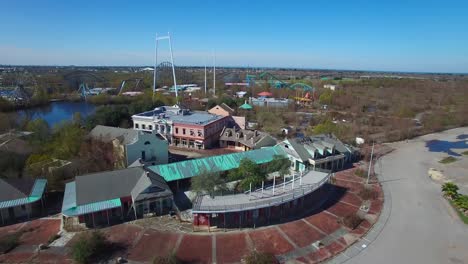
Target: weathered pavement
[421, 226]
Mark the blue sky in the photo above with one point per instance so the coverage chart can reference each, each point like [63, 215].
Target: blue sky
[412, 35]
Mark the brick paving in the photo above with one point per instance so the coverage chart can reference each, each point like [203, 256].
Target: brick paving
[270, 240]
[301, 233]
[231, 248]
[195, 249]
[152, 244]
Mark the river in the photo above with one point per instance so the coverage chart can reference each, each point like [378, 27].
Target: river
[56, 112]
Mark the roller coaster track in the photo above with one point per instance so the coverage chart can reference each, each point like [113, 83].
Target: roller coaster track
[278, 83]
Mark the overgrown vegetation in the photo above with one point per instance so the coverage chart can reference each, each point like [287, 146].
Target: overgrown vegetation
[360, 172]
[208, 183]
[89, 246]
[255, 257]
[457, 200]
[368, 193]
[352, 221]
[447, 160]
[9, 242]
[170, 259]
[465, 153]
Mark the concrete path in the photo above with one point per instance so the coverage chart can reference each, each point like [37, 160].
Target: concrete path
[417, 225]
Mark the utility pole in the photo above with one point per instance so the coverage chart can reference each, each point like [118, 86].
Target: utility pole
[370, 163]
[214, 74]
[205, 76]
[155, 66]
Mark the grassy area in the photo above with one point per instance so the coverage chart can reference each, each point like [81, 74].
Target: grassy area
[447, 160]
[465, 153]
[462, 216]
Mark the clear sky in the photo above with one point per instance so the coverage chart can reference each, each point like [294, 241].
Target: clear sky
[411, 35]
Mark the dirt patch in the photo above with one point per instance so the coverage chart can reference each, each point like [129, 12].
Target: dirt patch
[270, 240]
[123, 235]
[325, 222]
[153, 244]
[195, 249]
[39, 231]
[231, 248]
[351, 198]
[341, 210]
[301, 233]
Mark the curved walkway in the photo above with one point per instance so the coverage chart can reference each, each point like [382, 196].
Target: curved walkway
[417, 225]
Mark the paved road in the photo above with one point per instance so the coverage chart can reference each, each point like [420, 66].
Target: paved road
[421, 228]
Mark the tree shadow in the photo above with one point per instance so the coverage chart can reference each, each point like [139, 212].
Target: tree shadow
[447, 146]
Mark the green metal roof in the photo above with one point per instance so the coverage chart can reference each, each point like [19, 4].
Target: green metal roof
[69, 207]
[246, 106]
[190, 168]
[36, 194]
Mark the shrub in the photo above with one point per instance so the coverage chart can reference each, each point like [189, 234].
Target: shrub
[256, 257]
[367, 194]
[89, 245]
[461, 201]
[360, 173]
[9, 242]
[170, 259]
[450, 190]
[352, 220]
[447, 160]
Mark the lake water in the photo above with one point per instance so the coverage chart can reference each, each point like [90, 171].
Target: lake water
[57, 112]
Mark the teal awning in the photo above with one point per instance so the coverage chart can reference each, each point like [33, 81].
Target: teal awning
[69, 207]
[36, 194]
[190, 168]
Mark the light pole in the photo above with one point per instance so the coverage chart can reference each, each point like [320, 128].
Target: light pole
[370, 163]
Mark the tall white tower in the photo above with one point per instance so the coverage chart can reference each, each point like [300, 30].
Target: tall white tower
[168, 37]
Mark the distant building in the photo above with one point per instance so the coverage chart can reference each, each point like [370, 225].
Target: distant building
[21, 199]
[114, 196]
[182, 127]
[222, 110]
[269, 102]
[332, 87]
[321, 151]
[132, 145]
[242, 139]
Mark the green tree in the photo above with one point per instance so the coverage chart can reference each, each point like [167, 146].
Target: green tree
[450, 190]
[248, 173]
[66, 141]
[40, 129]
[88, 246]
[326, 97]
[280, 164]
[208, 183]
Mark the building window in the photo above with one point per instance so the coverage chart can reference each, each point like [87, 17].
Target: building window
[183, 131]
[200, 134]
[192, 133]
[136, 125]
[177, 130]
[143, 126]
[150, 127]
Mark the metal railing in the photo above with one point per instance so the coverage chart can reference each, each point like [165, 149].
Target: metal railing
[287, 196]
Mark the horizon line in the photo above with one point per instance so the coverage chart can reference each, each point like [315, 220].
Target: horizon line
[241, 67]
